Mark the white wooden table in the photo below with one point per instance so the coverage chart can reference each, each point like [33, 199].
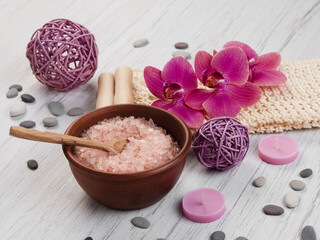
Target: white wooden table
[49, 204]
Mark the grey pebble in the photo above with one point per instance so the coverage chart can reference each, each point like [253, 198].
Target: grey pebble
[13, 92]
[161, 239]
[291, 199]
[75, 111]
[297, 185]
[181, 45]
[218, 235]
[50, 121]
[259, 182]
[306, 173]
[28, 124]
[140, 43]
[17, 108]
[27, 98]
[241, 238]
[187, 55]
[273, 210]
[56, 108]
[88, 238]
[32, 164]
[308, 233]
[140, 222]
[16, 86]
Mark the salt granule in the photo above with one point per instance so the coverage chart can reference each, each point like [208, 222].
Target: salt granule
[149, 146]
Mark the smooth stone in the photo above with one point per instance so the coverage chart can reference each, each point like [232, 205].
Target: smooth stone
[28, 124]
[218, 235]
[259, 182]
[181, 45]
[140, 43]
[56, 108]
[50, 121]
[13, 92]
[161, 239]
[75, 111]
[308, 233]
[306, 173]
[297, 185]
[32, 164]
[291, 199]
[241, 238]
[27, 98]
[17, 108]
[273, 210]
[88, 238]
[140, 222]
[16, 86]
[187, 55]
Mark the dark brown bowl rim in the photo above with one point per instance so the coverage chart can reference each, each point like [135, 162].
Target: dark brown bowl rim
[184, 149]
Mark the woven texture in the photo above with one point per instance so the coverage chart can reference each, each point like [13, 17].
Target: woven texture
[293, 105]
[221, 143]
[62, 54]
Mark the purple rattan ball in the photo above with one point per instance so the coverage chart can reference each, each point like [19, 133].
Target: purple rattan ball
[63, 54]
[221, 143]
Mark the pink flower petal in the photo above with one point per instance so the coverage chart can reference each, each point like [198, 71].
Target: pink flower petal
[154, 82]
[221, 105]
[193, 118]
[268, 78]
[164, 104]
[245, 95]
[196, 97]
[232, 64]
[179, 70]
[247, 49]
[202, 65]
[269, 61]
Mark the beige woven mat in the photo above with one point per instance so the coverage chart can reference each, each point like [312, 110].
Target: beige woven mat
[293, 105]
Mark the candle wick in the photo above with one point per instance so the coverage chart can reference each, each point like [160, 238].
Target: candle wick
[203, 199]
[277, 143]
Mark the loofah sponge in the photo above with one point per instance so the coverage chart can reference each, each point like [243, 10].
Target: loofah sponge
[293, 105]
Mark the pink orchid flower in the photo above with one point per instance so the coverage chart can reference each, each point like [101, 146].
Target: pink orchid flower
[226, 75]
[262, 68]
[171, 85]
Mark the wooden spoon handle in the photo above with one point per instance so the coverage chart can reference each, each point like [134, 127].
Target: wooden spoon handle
[50, 137]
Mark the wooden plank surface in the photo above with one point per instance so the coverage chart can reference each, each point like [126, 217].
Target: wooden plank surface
[49, 204]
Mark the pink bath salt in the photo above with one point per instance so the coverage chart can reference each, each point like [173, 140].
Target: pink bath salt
[149, 146]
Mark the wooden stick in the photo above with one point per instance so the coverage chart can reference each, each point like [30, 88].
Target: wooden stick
[123, 85]
[277, 143]
[50, 137]
[105, 90]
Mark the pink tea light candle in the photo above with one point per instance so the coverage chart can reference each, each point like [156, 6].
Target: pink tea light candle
[203, 205]
[278, 149]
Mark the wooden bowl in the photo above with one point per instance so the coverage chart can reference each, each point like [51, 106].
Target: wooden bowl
[134, 190]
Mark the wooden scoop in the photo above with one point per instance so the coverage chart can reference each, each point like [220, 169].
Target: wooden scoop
[51, 137]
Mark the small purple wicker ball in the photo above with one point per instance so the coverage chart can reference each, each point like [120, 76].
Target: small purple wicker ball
[63, 54]
[221, 143]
